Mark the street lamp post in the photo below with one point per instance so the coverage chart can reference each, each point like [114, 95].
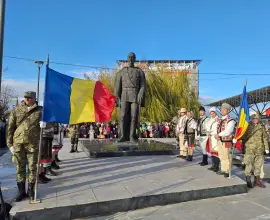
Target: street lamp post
[2, 22]
[39, 65]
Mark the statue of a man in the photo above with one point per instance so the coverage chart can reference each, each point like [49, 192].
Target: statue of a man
[129, 88]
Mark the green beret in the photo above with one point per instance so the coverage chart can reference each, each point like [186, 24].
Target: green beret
[30, 94]
[253, 116]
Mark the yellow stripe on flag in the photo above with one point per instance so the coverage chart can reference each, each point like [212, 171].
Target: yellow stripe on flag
[82, 93]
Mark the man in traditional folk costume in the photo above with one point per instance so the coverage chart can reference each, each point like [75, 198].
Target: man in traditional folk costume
[189, 133]
[224, 136]
[201, 134]
[180, 130]
[46, 153]
[211, 146]
[59, 130]
[56, 147]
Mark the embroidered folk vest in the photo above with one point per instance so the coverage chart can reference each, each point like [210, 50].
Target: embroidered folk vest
[201, 129]
[188, 129]
[221, 126]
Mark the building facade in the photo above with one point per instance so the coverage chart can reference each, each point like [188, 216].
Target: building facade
[190, 67]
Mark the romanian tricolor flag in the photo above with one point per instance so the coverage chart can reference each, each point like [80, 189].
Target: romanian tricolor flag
[243, 116]
[70, 100]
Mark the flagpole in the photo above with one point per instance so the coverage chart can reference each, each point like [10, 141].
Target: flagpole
[233, 148]
[36, 201]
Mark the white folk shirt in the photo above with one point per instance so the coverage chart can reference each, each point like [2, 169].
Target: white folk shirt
[211, 126]
[181, 124]
[211, 129]
[229, 129]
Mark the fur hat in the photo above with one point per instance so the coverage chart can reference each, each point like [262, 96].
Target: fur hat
[202, 109]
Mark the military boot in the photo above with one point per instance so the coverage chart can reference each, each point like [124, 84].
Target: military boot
[249, 184]
[213, 164]
[216, 167]
[189, 158]
[50, 172]
[31, 191]
[72, 149]
[41, 179]
[257, 182]
[21, 192]
[76, 148]
[205, 160]
[55, 166]
[45, 178]
[57, 159]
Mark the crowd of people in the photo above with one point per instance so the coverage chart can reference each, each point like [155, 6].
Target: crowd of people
[110, 130]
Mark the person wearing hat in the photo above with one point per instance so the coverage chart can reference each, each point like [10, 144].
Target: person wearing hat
[180, 130]
[211, 146]
[256, 143]
[189, 133]
[224, 137]
[23, 139]
[201, 134]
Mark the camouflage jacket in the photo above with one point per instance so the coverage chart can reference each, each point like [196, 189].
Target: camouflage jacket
[255, 139]
[23, 126]
[74, 132]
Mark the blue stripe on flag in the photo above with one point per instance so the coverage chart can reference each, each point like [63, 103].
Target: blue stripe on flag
[56, 105]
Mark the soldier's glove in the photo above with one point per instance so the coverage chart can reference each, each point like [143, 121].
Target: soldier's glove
[234, 141]
[42, 124]
[11, 149]
[267, 151]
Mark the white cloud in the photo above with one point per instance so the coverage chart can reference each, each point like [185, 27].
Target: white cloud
[20, 86]
[208, 99]
[81, 73]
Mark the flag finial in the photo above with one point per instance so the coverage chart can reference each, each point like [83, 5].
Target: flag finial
[48, 60]
[246, 82]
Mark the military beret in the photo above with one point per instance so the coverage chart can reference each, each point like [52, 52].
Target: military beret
[30, 94]
[226, 106]
[255, 116]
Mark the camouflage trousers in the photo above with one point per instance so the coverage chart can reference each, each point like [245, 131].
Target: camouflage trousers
[253, 162]
[25, 154]
[74, 140]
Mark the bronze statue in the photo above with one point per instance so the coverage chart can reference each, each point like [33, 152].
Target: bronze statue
[130, 87]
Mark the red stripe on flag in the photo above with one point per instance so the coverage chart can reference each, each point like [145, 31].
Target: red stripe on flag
[238, 132]
[104, 103]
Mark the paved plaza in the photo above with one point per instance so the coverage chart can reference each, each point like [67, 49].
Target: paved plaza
[86, 187]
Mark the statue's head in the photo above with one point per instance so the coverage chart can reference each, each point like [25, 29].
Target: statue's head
[131, 59]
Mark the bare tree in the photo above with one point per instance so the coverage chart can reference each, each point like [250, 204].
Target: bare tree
[7, 94]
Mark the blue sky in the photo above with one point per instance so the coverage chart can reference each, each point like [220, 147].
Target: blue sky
[229, 36]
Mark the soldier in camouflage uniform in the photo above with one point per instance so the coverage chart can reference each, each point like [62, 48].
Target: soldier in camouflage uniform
[23, 139]
[255, 140]
[74, 134]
